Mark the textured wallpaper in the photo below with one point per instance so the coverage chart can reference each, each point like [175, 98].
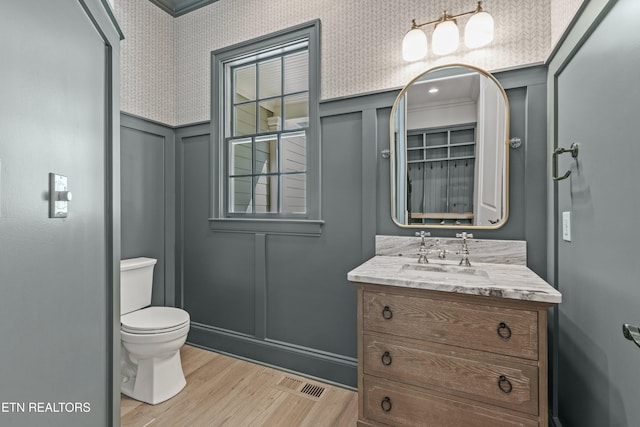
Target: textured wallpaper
[147, 61]
[562, 11]
[166, 61]
[360, 41]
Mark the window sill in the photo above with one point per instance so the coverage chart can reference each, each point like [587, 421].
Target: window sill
[268, 226]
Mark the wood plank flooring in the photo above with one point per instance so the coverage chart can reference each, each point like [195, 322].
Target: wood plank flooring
[223, 391]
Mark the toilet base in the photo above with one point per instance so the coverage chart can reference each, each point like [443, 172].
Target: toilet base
[152, 380]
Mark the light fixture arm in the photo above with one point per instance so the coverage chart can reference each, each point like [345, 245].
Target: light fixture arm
[446, 17]
[436, 21]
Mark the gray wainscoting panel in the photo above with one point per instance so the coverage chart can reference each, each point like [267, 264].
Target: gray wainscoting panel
[219, 280]
[310, 301]
[384, 224]
[535, 203]
[218, 268]
[148, 200]
[183, 134]
[514, 229]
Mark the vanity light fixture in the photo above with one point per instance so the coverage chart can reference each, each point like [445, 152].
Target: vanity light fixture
[446, 36]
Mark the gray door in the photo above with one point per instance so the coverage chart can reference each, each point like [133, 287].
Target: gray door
[598, 271]
[54, 289]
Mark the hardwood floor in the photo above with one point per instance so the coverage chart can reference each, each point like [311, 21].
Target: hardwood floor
[223, 391]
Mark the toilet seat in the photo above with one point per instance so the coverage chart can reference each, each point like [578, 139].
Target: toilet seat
[154, 320]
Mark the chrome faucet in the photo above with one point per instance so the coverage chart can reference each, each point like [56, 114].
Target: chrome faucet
[465, 248]
[422, 252]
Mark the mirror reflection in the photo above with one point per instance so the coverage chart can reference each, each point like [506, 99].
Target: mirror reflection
[449, 156]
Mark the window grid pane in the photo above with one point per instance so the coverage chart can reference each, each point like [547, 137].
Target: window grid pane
[240, 157]
[293, 193]
[266, 193]
[240, 195]
[296, 111]
[244, 122]
[296, 72]
[293, 157]
[266, 155]
[244, 83]
[270, 115]
[270, 78]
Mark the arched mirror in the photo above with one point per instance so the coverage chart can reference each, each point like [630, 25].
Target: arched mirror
[449, 150]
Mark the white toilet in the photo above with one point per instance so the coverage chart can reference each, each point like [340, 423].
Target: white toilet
[151, 337]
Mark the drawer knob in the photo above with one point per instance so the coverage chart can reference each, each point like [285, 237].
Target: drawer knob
[386, 404]
[386, 358]
[504, 331]
[504, 384]
[387, 313]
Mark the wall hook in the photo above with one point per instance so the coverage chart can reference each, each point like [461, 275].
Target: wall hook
[560, 150]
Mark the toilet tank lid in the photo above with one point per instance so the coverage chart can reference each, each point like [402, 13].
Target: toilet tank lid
[130, 264]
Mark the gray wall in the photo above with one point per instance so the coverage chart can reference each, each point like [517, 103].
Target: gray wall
[283, 299]
[59, 83]
[597, 272]
[148, 200]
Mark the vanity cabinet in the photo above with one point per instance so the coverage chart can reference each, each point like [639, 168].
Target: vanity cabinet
[433, 358]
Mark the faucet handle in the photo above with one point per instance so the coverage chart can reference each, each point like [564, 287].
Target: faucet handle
[465, 248]
[422, 258]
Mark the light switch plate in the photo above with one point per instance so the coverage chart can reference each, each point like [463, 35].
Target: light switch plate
[57, 208]
[566, 226]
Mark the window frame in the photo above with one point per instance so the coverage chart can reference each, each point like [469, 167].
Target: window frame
[220, 218]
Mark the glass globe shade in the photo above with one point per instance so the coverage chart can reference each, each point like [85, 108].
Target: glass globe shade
[445, 38]
[414, 45]
[479, 30]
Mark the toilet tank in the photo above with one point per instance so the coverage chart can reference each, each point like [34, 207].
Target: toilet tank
[136, 282]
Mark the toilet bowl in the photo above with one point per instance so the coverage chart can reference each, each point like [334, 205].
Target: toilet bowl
[151, 337]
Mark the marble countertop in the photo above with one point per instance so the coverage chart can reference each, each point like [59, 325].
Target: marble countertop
[496, 280]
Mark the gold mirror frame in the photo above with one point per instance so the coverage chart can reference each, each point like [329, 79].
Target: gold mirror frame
[392, 156]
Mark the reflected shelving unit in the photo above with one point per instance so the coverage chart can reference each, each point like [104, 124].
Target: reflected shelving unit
[441, 169]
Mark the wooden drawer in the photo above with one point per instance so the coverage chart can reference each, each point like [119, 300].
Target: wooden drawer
[468, 325]
[394, 404]
[497, 380]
